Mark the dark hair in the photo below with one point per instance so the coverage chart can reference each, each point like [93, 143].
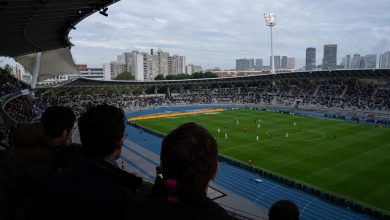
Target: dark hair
[189, 154]
[56, 119]
[100, 129]
[284, 209]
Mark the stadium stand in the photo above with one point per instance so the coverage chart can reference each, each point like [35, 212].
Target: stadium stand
[356, 95]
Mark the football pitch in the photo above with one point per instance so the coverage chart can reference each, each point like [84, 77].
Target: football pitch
[348, 159]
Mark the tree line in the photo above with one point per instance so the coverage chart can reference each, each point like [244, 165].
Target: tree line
[197, 75]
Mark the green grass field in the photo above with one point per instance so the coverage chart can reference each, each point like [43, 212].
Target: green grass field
[348, 159]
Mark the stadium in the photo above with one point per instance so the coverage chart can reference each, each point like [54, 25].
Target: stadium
[317, 138]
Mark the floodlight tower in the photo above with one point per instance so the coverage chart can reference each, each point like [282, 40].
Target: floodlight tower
[270, 20]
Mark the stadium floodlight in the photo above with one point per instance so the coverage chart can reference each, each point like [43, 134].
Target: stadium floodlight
[270, 20]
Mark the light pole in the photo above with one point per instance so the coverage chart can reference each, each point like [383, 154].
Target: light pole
[270, 20]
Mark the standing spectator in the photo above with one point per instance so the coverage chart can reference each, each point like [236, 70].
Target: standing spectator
[95, 187]
[284, 210]
[34, 155]
[189, 160]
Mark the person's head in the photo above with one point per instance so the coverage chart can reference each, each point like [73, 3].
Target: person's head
[190, 154]
[58, 123]
[102, 130]
[283, 210]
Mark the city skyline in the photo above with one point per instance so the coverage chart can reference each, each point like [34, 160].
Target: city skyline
[216, 33]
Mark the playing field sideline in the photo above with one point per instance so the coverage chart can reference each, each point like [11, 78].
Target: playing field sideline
[345, 158]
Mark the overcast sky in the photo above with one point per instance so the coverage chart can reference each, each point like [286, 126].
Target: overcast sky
[214, 33]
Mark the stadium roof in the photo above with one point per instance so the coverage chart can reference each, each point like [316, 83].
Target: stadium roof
[30, 26]
[379, 74]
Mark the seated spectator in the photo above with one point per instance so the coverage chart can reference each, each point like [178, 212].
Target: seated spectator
[188, 162]
[95, 187]
[3, 141]
[33, 157]
[283, 210]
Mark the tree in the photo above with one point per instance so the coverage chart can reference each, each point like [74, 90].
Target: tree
[159, 77]
[136, 91]
[197, 75]
[170, 77]
[200, 75]
[8, 69]
[125, 90]
[183, 76]
[210, 75]
[124, 76]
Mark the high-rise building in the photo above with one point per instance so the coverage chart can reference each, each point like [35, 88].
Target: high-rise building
[370, 61]
[147, 66]
[259, 64]
[291, 63]
[276, 62]
[329, 61]
[244, 64]
[347, 62]
[177, 65]
[163, 63]
[113, 69]
[106, 71]
[384, 60]
[356, 62]
[310, 58]
[20, 73]
[284, 62]
[136, 65]
[121, 59]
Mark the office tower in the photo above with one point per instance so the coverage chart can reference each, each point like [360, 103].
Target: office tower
[370, 61]
[347, 62]
[384, 60]
[329, 61]
[284, 62]
[259, 64]
[244, 64]
[356, 62]
[291, 63]
[276, 62]
[310, 58]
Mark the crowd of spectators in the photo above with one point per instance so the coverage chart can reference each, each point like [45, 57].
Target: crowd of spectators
[358, 97]
[344, 95]
[9, 84]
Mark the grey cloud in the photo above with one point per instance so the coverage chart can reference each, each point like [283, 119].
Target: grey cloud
[216, 32]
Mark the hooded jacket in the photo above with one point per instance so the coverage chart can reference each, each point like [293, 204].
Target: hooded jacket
[31, 159]
[171, 199]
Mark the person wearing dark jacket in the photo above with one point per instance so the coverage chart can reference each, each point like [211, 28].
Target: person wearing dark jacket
[34, 156]
[188, 162]
[283, 210]
[95, 187]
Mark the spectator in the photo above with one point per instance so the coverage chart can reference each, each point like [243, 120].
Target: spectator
[3, 141]
[188, 162]
[95, 187]
[283, 210]
[33, 157]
